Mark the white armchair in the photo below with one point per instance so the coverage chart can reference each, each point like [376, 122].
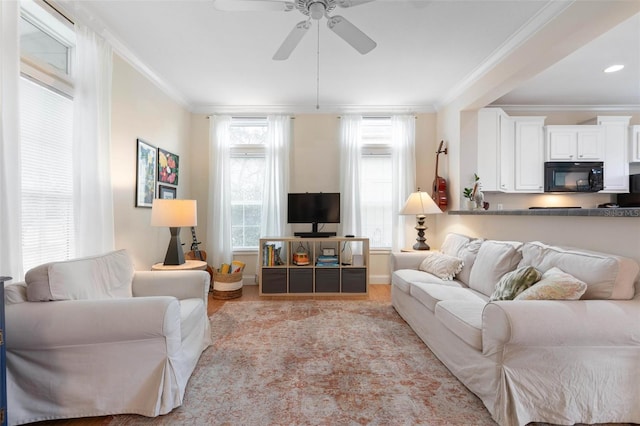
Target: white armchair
[104, 355]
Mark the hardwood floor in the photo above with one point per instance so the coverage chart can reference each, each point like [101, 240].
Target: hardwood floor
[377, 292]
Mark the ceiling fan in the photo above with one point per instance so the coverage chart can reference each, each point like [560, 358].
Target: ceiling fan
[314, 9]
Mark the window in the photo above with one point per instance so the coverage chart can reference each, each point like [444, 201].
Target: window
[376, 181]
[248, 136]
[46, 126]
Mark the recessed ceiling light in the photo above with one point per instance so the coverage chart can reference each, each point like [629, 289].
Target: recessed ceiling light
[614, 68]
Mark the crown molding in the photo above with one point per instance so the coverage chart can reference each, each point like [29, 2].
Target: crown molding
[569, 108]
[535, 24]
[308, 109]
[81, 12]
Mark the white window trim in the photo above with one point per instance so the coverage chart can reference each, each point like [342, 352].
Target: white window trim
[53, 23]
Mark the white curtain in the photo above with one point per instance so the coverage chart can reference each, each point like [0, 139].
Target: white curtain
[10, 185]
[219, 217]
[93, 195]
[350, 137]
[276, 177]
[403, 128]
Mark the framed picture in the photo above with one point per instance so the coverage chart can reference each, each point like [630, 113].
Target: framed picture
[146, 165]
[167, 192]
[168, 167]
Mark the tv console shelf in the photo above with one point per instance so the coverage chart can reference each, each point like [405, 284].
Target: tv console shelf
[343, 273]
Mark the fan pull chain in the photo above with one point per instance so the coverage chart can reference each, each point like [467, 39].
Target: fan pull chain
[318, 69]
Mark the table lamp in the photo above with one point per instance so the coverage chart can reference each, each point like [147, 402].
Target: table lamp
[420, 204]
[174, 214]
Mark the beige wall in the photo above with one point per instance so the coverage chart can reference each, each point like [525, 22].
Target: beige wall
[141, 110]
[315, 167]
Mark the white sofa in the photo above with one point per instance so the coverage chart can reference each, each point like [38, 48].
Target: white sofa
[555, 361]
[93, 337]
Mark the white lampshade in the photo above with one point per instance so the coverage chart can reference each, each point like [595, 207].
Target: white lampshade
[420, 203]
[174, 213]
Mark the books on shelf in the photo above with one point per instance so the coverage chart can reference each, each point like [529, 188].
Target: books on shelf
[330, 261]
[271, 255]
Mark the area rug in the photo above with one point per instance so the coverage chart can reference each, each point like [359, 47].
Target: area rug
[318, 363]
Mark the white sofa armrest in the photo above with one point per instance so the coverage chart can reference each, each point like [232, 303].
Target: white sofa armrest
[406, 260]
[560, 323]
[179, 284]
[46, 325]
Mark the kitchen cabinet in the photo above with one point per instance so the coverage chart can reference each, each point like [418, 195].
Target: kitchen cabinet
[529, 154]
[575, 143]
[616, 149]
[634, 137]
[510, 152]
[495, 142]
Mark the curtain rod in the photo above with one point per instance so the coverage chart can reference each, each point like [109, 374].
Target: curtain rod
[52, 6]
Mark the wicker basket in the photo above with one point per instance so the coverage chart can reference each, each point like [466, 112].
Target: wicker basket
[226, 286]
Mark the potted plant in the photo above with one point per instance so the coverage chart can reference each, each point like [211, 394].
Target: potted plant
[469, 193]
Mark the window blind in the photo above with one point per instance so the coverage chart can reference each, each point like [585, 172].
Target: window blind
[46, 126]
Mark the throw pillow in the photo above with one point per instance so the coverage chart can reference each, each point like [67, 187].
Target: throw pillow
[515, 282]
[441, 265]
[555, 285]
[494, 259]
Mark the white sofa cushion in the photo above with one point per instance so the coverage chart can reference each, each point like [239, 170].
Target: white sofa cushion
[453, 243]
[463, 318]
[403, 278]
[430, 294]
[607, 276]
[97, 277]
[441, 265]
[465, 248]
[555, 285]
[494, 259]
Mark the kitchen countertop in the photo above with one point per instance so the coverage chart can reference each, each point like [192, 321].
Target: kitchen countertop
[602, 212]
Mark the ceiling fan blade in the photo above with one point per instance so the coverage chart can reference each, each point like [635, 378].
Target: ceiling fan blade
[253, 5]
[351, 34]
[292, 40]
[352, 3]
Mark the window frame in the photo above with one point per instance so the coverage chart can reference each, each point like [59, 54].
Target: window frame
[58, 26]
[248, 150]
[35, 71]
[370, 148]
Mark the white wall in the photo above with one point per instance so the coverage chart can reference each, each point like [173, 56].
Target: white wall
[141, 110]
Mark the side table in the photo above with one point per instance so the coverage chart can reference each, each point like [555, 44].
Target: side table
[188, 265]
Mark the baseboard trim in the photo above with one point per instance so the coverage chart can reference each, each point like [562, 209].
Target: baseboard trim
[379, 279]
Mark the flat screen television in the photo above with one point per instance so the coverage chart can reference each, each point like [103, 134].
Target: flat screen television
[314, 208]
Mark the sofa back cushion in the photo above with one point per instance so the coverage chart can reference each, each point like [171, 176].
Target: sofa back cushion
[464, 248]
[494, 259]
[607, 276]
[106, 276]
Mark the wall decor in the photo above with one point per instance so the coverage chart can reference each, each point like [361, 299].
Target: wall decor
[146, 164]
[168, 167]
[167, 192]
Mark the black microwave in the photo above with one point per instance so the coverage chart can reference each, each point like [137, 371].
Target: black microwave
[573, 177]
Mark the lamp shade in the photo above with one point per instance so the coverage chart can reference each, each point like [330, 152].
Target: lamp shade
[420, 203]
[174, 213]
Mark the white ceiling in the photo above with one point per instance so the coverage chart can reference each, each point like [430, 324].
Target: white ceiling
[215, 60]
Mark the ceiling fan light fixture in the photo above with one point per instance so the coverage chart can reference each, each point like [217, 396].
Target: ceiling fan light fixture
[317, 10]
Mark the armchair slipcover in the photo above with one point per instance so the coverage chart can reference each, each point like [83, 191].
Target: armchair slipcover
[110, 355]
